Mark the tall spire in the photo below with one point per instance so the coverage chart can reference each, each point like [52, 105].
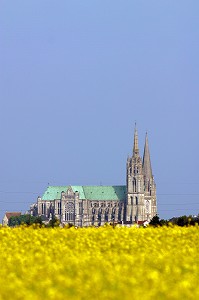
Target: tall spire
[147, 170]
[135, 146]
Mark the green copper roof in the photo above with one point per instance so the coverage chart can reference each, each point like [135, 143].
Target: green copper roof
[54, 192]
[88, 192]
[105, 192]
[78, 188]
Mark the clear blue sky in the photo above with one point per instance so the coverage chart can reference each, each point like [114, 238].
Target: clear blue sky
[76, 75]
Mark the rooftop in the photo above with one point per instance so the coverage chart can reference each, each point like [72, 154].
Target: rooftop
[88, 192]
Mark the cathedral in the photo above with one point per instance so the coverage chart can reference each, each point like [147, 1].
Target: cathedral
[133, 203]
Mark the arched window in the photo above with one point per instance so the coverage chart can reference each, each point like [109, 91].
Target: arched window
[59, 208]
[106, 215]
[147, 206]
[134, 185]
[70, 212]
[113, 214]
[80, 208]
[99, 215]
[43, 209]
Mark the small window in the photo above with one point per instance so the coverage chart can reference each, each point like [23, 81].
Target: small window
[80, 208]
[59, 208]
[43, 209]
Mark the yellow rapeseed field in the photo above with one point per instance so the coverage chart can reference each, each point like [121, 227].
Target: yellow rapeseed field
[99, 263]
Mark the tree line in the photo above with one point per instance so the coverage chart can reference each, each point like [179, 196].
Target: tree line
[30, 220]
[180, 221]
[54, 222]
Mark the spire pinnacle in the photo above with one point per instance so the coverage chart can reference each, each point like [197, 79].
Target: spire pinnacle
[147, 170]
[135, 146]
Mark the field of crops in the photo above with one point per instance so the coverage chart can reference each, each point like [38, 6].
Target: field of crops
[99, 263]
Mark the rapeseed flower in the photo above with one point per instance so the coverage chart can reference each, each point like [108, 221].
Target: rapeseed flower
[99, 263]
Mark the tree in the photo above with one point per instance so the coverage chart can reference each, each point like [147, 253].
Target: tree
[185, 220]
[155, 221]
[182, 221]
[24, 219]
[53, 223]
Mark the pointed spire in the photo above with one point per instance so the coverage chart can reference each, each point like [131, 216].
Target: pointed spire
[147, 170]
[135, 146]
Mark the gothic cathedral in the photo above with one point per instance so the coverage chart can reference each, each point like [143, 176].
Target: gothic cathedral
[141, 189]
[133, 203]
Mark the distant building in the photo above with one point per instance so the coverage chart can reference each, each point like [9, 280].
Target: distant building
[133, 203]
[8, 215]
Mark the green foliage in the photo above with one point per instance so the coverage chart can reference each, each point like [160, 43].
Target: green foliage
[24, 219]
[155, 221]
[184, 220]
[179, 221]
[53, 223]
[69, 225]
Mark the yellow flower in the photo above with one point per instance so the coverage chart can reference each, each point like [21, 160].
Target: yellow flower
[99, 263]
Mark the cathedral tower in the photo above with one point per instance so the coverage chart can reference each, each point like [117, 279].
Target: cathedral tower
[141, 189]
[149, 184]
[135, 185]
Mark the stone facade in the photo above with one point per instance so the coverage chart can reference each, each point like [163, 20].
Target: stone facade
[96, 205]
[141, 189]
[82, 205]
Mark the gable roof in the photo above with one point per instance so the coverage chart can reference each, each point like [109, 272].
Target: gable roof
[88, 192]
[12, 214]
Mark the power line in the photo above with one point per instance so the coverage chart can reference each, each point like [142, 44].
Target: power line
[168, 204]
[8, 192]
[172, 209]
[16, 202]
[36, 193]
[159, 204]
[177, 183]
[178, 195]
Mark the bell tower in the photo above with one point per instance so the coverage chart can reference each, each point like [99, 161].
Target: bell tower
[135, 185]
[149, 184]
[141, 189]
